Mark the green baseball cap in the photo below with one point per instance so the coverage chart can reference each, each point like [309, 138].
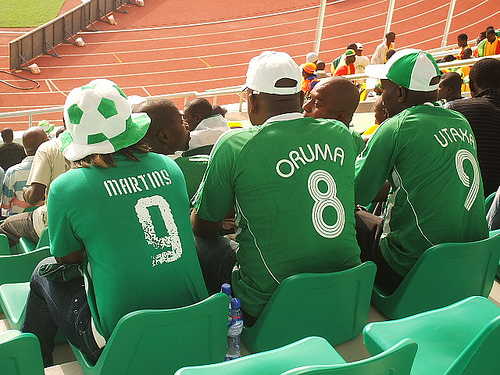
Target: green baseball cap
[413, 69]
[99, 120]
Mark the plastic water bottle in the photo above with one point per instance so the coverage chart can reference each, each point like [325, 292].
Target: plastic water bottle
[234, 329]
[226, 289]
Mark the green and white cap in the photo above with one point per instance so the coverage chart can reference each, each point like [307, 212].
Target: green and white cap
[99, 120]
[413, 69]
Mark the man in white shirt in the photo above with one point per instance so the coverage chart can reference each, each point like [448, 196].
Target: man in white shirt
[388, 43]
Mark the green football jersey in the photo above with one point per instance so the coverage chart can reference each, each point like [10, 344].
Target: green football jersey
[428, 154]
[133, 223]
[193, 168]
[292, 183]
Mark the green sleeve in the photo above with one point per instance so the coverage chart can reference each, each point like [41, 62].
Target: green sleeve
[216, 198]
[358, 140]
[375, 162]
[63, 239]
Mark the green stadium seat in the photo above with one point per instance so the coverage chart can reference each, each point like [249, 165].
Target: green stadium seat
[444, 274]
[20, 354]
[330, 305]
[13, 299]
[312, 355]
[26, 246]
[162, 341]
[461, 339]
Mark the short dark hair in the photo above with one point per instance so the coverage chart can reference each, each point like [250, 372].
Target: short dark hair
[451, 80]
[486, 73]
[199, 106]
[353, 46]
[463, 36]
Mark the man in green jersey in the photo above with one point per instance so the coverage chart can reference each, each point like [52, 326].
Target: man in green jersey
[428, 154]
[291, 180]
[122, 214]
[335, 98]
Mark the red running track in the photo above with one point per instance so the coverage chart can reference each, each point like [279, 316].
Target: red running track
[195, 46]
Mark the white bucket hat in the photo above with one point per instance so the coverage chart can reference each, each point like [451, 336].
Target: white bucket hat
[265, 70]
[98, 120]
[413, 69]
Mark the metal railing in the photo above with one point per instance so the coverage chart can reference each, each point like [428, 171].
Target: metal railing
[363, 107]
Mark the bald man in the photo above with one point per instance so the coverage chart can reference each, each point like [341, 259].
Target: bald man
[17, 175]
[335, 98]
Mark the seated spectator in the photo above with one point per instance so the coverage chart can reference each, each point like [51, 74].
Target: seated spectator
[309, 78]
[10, 152]
[428, 155]
[218, 110]
[130, 261]
[493, 214]
[340, 59]
[205, 127]
[380, 115]
[17, 175]
[335, 98]
[168, 134]
[346, 67]
[272, 172]
[379, 56]
[48, 163]
[450, 88]
[483, 113]
[320, 72]
[463, 44]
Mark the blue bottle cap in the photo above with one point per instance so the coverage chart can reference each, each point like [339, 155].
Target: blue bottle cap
[235, 303]
[226, 288]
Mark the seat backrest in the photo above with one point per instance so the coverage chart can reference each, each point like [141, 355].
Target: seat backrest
[20, 354]
[330, 305]
[449, 272]
[19, 267]
[4, 245]
[397, 360]
[481, 355]
[308, 351]
[44, 239]
[488, 201]
[162, 341]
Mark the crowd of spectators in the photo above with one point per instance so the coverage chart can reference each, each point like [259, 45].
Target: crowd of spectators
[137, 197]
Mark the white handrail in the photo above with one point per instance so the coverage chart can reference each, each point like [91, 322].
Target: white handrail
[214, 93]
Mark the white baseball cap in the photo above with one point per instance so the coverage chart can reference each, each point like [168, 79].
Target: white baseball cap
[312, 57]
[411, 68]
[266, 70]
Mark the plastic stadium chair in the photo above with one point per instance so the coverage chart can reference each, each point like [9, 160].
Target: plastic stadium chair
[162, 341]
[20, 354]
[4, 245]
[330, 305]
[310, 356]
[311, 350]
[488, 201]
[397, 360]
[444, 274]
[18, 268]
[461, 339]
[26, 246]
[13, 299]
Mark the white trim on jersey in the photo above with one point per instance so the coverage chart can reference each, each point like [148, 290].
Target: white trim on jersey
[255, 242]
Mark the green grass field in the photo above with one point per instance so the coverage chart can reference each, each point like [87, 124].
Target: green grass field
[28, 13]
